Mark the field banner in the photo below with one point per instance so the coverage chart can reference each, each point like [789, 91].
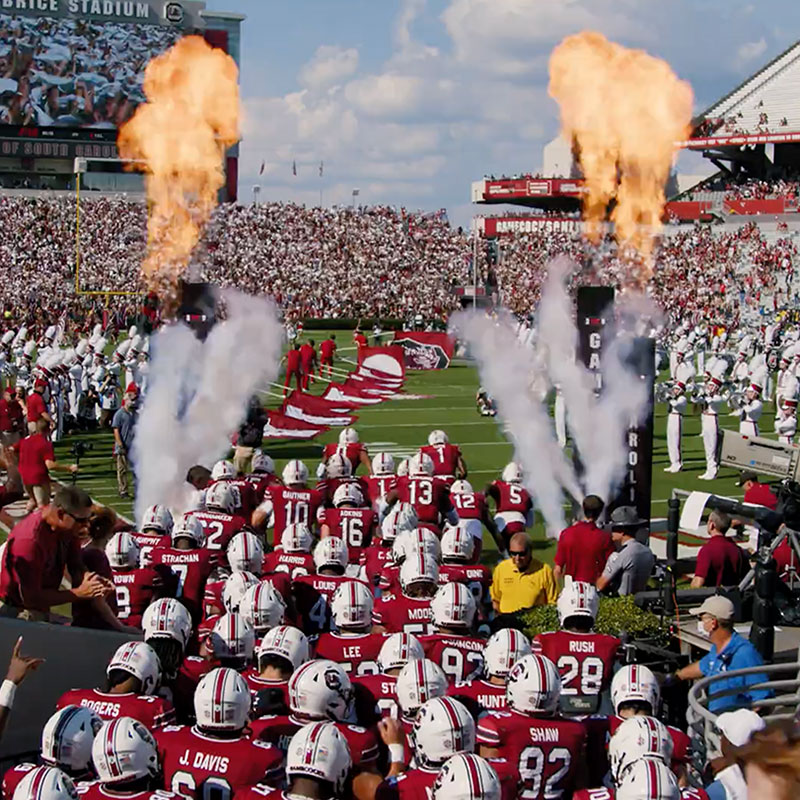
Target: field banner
[385, 363]
[425, 350]
[281, 426]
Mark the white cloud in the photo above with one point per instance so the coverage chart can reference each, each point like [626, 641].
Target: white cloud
[750, 51]
[330, 65]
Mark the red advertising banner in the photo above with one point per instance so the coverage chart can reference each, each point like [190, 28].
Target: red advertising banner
[532, 187]
[500, 226]
[425, 350]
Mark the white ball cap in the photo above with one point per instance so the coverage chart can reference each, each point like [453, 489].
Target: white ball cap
[739, 726]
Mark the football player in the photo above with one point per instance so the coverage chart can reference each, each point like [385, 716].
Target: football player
[44, 783]
[156, 529]
[382, 480]
[66, 744]
[245, 553]
[219, 520]
[216, 603]
[351, 448]
[136, 587]
[190, 561]
[232, 642]
[448, 463]
[458, 557]
[244, 493]
[262, 475]
[488, 693]
[320, 690]
[417, 682]
[410, 610]
[466, 776]
[513, 504]
[294, 556]
[282, 650]
[132, 679]
[350, 521]
[378, 556]
[408, 543]
[336, 473]
[262, 608]
[585, 659]
[473, 515]
[430, 497]
[215, 755]
[291, 503]
[451, 647]
[549, 761]
[352, 645]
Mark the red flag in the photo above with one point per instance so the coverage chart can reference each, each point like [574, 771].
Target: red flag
[336, 391]
[382, 362]
[313, 410]
[279, 426]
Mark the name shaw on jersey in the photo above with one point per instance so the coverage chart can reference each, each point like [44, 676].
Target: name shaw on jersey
[544, 734]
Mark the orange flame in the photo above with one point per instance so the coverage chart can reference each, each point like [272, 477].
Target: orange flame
[181, 134]
[623, 110]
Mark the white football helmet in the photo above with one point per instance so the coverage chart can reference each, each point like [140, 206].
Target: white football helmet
[420, 466]
[453, 606]
[320, 690]
[466, 777]
[418, 540]
[235, 587]
[286, 642]
[187, 526]
[382, 465]
[223, 470]
[262, 607]
[418, 681]
[437, 437]
[139, 660]
[348, 493]
[649, 779]
[348, 436]
[636, 738]
[402, 468]
[330, 552]
[338, 467]
[533, 685]
[402, 517]
[45, 783]
[263, 463]
[577, 599]
[245, 553]
[122, 551]
[295, 473]
[458, 544]
[67, 739]
[222, 701]
[124, 750]
[512, 473]
[351, 606]
[442, 729]
[157, 518]
[503, 650]
[220, 497]
[419, 568]
[296, 538]
[318, 750]
[635, 683]
[167, 618]
[233, 639]
[398, 649]
[461, 487]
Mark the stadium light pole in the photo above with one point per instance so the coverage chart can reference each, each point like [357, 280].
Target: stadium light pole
[475, 268]
[256, 192]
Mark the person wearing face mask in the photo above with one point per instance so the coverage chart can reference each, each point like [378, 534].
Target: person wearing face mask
[729, 652]
[123, 426]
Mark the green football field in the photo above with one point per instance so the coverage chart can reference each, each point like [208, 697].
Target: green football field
[446, 400]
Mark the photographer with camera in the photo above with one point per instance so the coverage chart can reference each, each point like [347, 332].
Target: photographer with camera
[36, 462]
[123, 425]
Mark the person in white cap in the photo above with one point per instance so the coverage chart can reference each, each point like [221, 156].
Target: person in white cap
[729, 651]
[752, 408]
[709, 419]
[736, 728]
[786, 420]
[677, 408]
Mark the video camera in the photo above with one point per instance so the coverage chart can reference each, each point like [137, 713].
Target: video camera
[79, 449]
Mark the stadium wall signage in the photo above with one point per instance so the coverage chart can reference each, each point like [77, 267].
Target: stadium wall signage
[425, 349]
[154, 11]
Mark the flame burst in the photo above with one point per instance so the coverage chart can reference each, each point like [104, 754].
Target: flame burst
[181, 134]
[623, 110]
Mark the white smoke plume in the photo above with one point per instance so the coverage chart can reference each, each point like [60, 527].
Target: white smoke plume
[198, 393]
[505, 370]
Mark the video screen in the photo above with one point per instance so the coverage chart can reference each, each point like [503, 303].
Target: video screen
[72, 73]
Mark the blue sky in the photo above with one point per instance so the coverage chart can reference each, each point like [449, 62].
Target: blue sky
[410, 101]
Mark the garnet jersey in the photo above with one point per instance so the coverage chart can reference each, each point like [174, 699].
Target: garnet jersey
[479, 696]
[610, 794]
[681, 743]
[585, 661]
[352, 452]
[470, 505]
[445, 458]
[147, 542]
[378, 486]
[375, 697]
[460, 657]
[512, 504]
[430, 498]
[192, 568]
[258, 684]
[373, 561]
[411, 784]
[290, 506]
[546, 751]
[327, 487]
[152, 712]
[191, 671]
[279, 731]
[476, 577]
[312, 596]
[354, 525]
[260, 481]
[292, 564]
[219, 529]
[96, 791]
[357, 655]
[398, 613]
[195, 765]
[12, 777]
[136, 588]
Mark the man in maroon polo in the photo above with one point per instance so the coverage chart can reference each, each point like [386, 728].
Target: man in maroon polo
[720, 562]
[36, 460]
[583, 548]
[35, 405]
[758, 494]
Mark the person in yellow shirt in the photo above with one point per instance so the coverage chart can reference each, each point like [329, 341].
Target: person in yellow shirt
[521, 581]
